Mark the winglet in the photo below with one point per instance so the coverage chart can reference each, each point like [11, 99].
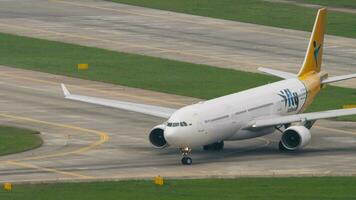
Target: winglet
[65, 90]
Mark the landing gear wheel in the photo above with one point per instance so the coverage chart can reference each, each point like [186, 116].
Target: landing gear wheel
[220, 146]
[187, 161]
[217, 146]
[185, 152]
[281, 147]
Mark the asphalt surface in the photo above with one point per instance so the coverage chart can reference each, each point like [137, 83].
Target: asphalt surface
[87, 142]
[84, 142]
[171, 35]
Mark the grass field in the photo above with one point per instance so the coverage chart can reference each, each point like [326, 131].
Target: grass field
[144, 72]
[14, 140]
[313, 188]
[335, 3]
[258, 12]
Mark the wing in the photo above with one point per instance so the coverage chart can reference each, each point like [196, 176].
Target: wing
[280, 120]
[274, 72]
[157, 111]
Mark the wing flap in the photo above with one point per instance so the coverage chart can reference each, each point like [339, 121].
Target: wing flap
[280, 120]
[157, 111]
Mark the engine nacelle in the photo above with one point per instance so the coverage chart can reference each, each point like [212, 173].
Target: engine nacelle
[295, 137]
[156, 136]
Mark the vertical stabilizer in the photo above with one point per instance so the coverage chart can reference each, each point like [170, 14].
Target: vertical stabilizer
[313, 57]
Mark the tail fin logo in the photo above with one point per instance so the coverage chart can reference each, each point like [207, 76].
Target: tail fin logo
[313, 57]
[316, 52]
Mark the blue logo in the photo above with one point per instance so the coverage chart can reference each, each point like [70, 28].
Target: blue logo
[291, 99]
[316, 52]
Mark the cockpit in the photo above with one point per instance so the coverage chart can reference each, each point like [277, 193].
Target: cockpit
[176, 124]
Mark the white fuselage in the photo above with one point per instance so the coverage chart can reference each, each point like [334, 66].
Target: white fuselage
[225, 117]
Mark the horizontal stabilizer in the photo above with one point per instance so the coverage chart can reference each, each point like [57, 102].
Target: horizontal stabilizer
[157, 111]
[274, 72]
[338, 78]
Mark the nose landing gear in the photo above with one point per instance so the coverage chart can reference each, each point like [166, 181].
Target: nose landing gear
[186, 160]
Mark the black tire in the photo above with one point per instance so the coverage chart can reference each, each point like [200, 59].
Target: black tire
[207, 147]
[282, 148]
[220, 146]
[217, 146]
[187, 161]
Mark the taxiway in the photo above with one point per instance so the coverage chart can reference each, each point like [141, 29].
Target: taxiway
[172, 35]
[84, 142]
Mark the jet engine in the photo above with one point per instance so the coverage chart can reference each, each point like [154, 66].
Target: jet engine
[156, 136]
[295, 137]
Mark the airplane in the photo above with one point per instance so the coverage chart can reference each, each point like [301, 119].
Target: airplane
[252, 113]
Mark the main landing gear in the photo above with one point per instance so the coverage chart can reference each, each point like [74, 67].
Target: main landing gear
[281, 147]
[186, 160]
[217, 146]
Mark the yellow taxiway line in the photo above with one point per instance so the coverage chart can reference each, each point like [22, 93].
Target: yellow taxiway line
[103, 136]
[336, 130]
[26, 165]
[19, 162]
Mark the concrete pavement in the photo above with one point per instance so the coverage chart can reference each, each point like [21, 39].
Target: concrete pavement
[172, 35]
[84, 142]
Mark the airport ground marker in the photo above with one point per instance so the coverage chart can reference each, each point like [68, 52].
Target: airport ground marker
[7, 187]
[83, 66]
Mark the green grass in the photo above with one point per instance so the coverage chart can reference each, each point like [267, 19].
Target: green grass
[334, 98]
[334, 3]
[313, 188]
[14, 140]
[256, 12]
[125, 69]
[150, 73]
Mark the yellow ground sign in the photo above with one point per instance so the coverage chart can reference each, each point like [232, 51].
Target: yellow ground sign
[349, 106]
[159, 180]
[83, 66]
[7, 186]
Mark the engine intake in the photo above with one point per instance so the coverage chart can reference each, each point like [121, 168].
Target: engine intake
[156, 137]
[295, 137]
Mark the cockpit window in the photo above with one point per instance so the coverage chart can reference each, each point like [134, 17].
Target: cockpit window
[175, 124]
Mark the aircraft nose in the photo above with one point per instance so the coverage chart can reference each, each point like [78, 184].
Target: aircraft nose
[173, 137]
